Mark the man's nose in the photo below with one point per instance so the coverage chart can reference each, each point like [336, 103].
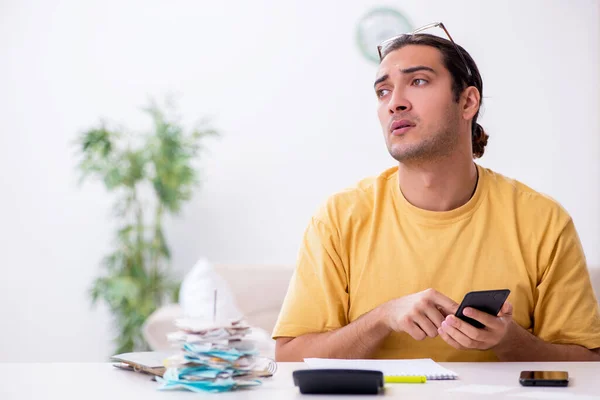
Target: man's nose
[398, 103]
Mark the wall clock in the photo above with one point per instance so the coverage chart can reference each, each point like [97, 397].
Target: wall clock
[378, 25]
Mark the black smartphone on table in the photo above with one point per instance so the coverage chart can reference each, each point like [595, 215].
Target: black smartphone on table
[544, 378]
[488, 301]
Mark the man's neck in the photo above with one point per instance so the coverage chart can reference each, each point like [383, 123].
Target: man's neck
[438, 186]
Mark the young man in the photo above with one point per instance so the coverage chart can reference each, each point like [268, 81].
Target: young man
[383, 265]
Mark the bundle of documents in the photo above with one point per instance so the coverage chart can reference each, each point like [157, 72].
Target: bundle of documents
[148, 362]
[214, 357]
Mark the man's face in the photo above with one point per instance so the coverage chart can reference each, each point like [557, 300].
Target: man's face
[416, 107]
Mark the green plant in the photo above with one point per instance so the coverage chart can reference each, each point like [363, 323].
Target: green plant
[151, 174]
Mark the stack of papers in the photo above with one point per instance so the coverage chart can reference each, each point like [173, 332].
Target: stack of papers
[214, 357]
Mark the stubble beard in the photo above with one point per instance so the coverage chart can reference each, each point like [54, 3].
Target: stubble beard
[438, 145]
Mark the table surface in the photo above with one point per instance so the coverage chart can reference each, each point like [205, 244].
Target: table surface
[476, 380]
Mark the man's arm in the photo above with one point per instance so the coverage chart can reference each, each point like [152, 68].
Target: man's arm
[419, 314]
[520, 345]
[359, 339]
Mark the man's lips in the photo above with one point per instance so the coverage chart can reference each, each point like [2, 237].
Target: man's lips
[401, 126]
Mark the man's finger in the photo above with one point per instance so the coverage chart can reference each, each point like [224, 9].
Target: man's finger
[507, 309]
[449, 340]
[467, 329]
[447, 305]
[415, 331]
[490, 321]
[460, 337]
[426, 325]
[435, 316]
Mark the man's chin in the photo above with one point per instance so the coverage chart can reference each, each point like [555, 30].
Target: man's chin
[407, 153]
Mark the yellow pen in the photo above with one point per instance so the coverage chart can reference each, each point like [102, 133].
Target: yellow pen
[405, 379]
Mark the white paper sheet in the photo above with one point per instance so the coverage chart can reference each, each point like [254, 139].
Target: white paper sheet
[482, 389]
[555, 394]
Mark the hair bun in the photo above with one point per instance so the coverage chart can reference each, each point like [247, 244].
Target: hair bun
[480, 139]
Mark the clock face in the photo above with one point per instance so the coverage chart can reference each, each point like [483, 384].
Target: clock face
[376, 26]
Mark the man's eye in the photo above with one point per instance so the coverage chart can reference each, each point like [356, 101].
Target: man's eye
[382, 92]
[419, 82]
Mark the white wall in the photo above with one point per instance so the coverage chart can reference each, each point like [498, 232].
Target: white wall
[293, 98]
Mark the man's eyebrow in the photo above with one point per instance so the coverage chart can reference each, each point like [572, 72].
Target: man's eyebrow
[405, 71]
[417, 68]
[381, 79]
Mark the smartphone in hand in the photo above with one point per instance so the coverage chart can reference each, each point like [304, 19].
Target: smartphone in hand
[488, 301]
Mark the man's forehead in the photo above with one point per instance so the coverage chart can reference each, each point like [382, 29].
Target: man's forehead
[410, 56]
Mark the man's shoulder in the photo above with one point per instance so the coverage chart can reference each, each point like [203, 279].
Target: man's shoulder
[522, 197]
[365, 189]
[359, 198]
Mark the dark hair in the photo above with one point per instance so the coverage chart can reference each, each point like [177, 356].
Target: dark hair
[460, 77]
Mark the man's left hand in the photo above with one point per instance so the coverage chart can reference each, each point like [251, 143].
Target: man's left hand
[463, 336]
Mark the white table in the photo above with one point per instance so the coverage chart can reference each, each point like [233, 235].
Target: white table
[103, 381]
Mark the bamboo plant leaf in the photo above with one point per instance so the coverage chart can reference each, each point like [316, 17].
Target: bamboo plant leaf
[150, 174]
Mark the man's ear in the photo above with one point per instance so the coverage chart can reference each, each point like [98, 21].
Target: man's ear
[470, 102]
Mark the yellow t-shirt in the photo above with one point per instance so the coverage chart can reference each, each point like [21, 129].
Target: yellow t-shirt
[368, 245]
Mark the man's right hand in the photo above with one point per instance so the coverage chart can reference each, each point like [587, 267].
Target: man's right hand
[419, 314]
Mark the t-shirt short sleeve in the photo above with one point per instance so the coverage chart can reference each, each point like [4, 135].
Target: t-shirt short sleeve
[566, 309]
[317, 297]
